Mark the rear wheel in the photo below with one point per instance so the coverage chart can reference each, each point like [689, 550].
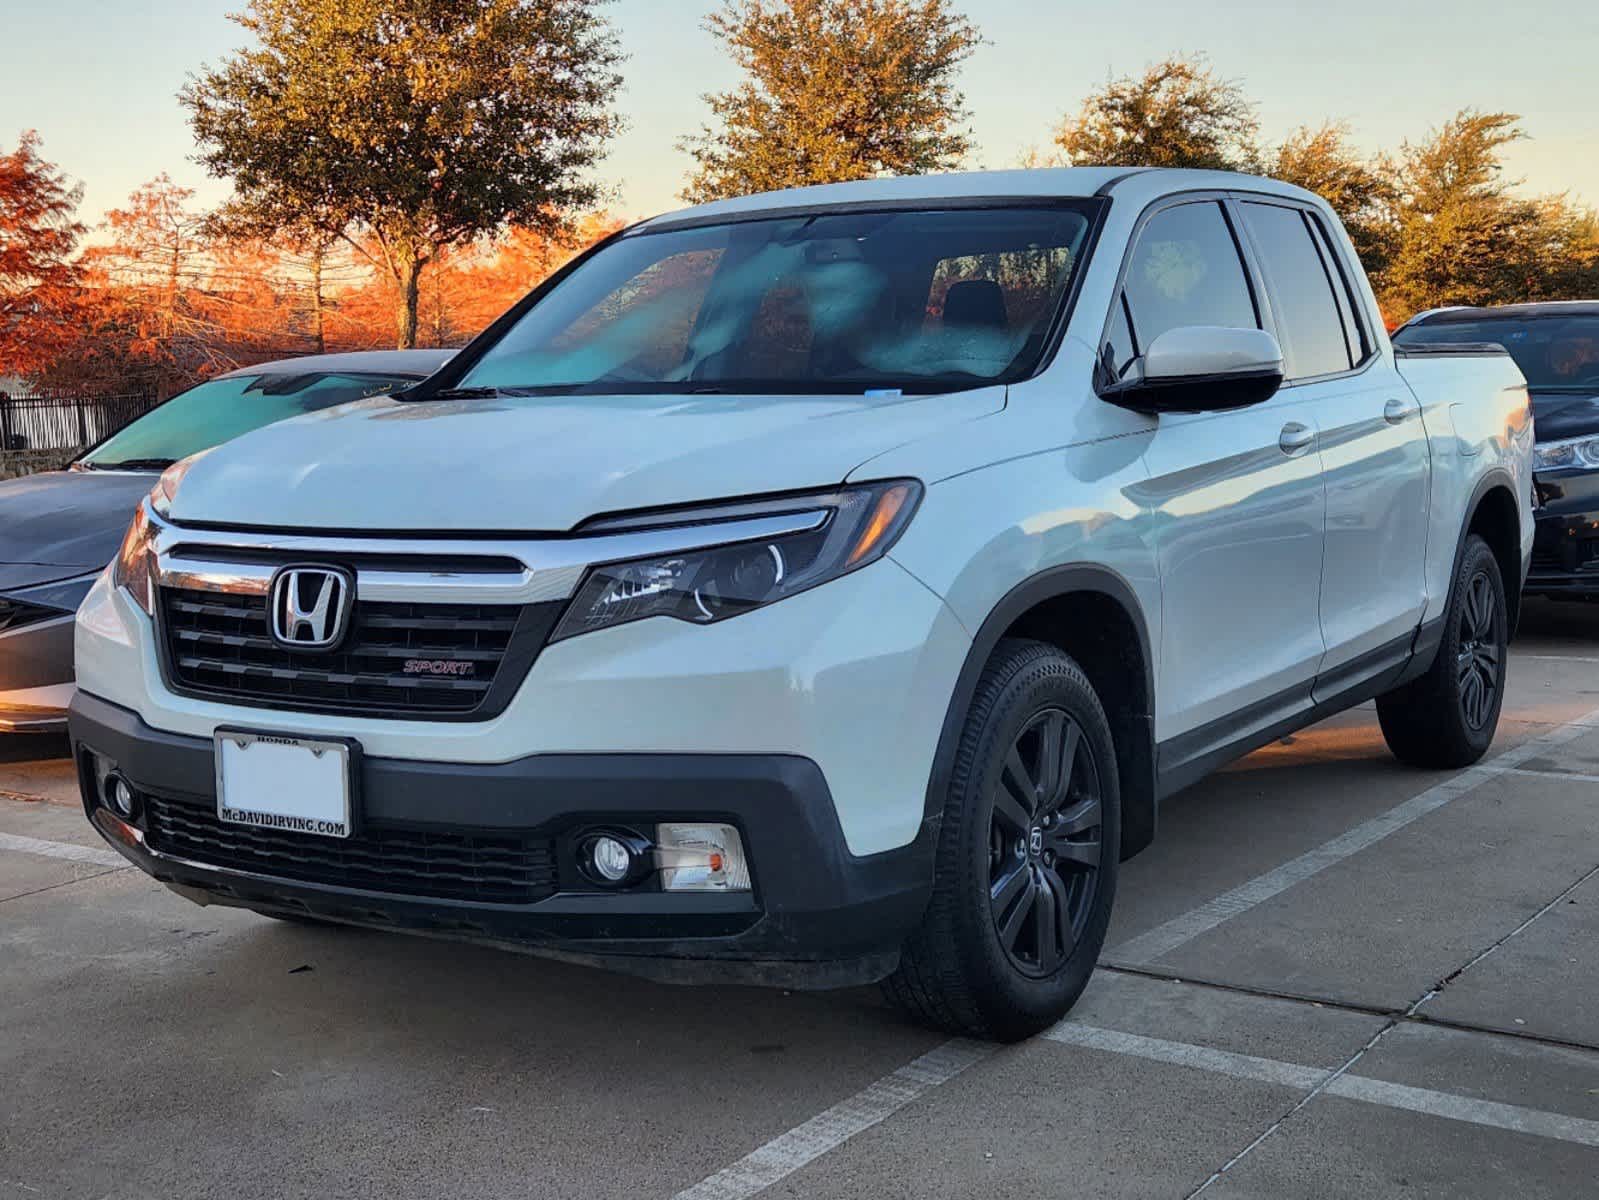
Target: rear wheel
[1026, 864]
[1448, 717]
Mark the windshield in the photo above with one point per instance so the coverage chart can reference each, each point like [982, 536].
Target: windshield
[1555, 353]
[222, 409]
[865, 301]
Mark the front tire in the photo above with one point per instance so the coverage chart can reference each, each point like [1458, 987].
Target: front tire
[1448, 717]
[1025, 872]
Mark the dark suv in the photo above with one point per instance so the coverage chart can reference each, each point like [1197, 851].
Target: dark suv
[1556, 345]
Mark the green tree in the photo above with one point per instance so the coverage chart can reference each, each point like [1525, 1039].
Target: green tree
[1466, 236]
[1361, 191]
[836, 90]
[1178, 113]
[418, 124]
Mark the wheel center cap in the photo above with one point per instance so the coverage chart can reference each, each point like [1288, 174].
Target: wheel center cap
[1035, 841]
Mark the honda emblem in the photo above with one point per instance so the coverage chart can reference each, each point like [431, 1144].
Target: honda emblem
[309, 607]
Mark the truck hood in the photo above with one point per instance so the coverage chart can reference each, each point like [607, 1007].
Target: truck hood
[62, 523]
[546, 463]
[1557, 415]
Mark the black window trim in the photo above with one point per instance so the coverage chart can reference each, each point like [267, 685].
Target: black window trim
[1357, 309]
[1354, 335]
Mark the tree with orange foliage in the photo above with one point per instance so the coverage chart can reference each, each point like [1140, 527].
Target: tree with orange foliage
[466, 288]
[39, 277]
[150, 268]
[516, 263]
[167, 300]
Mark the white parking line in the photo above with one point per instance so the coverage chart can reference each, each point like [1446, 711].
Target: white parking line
[1447, 1105]
[1180, 930]
[1182, 1054]
[1464, 1108]
[1569, 776]
[790, 1151]
[89, 854]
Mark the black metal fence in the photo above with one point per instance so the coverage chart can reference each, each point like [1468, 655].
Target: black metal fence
[66, 420]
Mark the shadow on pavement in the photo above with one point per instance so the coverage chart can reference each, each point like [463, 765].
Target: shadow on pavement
[32, 747]
[1573, 619]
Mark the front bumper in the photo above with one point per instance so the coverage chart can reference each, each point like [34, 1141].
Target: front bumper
[818, 916]
[1565, 554]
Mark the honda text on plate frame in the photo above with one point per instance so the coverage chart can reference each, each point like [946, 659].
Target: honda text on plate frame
[297, 785]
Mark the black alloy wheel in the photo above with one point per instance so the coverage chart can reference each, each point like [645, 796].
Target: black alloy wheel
[1446, 716]
[1029, 843]
[1481, 640]
[1044, 843]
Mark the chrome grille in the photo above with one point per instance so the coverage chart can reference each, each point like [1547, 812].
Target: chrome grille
[397, 659]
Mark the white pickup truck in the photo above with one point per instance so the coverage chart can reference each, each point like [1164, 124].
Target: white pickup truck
[817, 587]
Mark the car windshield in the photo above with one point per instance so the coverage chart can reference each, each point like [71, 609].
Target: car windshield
[1554, 352]
[914, 301]
[221, 409]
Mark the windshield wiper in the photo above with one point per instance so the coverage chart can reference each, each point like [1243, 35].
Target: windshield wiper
[131, 464]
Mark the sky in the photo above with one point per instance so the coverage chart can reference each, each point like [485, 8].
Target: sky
[98, 78]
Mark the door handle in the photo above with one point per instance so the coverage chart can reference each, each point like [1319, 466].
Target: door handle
[1295, 438]
[1395, 412]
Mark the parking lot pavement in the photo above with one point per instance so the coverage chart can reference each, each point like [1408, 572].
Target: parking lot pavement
[1330, 976]
[34, 766]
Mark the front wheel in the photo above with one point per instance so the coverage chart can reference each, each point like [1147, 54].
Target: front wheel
[1025, 872]
[1448, 717]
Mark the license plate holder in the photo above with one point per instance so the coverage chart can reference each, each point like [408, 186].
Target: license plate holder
[286, 783]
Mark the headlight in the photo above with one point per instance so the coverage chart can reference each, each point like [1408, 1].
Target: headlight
[166, 488]
[134, 566]
[1571, 454]
[702, 586]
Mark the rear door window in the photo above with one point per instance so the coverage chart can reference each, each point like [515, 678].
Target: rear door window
[1303, 301]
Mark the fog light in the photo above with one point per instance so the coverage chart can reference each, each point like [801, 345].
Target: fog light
[701, 858]
[119, 794]
[612, 861]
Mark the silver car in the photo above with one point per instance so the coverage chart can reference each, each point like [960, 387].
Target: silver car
[58, 529]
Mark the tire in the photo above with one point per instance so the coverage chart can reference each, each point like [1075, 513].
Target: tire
[1448, 717]
[1003, 861]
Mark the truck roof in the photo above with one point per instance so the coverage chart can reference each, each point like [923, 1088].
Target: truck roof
[1140, 184]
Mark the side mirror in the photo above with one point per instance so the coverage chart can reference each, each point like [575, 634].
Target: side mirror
[1202, 368]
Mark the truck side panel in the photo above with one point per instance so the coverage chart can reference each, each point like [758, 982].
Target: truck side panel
[1479, 424]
